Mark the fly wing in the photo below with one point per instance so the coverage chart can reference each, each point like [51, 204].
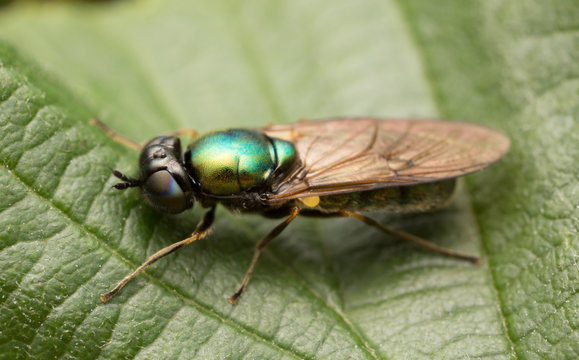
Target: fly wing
[347, 155]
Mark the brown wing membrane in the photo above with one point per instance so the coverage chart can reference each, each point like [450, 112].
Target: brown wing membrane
[347, 155]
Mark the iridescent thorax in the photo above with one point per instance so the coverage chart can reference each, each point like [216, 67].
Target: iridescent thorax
[233, 161]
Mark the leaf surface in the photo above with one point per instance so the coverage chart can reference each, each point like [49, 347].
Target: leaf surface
[325, 288]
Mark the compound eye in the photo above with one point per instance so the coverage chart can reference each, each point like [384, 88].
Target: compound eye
[164, 193]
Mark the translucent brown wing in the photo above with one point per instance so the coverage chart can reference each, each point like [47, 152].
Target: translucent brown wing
[346, 155]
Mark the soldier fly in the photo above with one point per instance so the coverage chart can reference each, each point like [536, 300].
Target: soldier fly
[328, 168]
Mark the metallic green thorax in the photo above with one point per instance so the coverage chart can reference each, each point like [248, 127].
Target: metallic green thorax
[233, 161]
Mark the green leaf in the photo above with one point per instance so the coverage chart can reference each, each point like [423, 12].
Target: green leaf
[325, 288]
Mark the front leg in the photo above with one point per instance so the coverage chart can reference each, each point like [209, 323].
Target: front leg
[200, 232]
[192, 134]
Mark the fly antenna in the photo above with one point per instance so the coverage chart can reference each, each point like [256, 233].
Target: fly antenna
[127, 181]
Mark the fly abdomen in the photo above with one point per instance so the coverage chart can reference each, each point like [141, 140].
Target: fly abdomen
[415, 198]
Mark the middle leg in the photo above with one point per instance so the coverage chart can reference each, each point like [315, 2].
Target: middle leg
[294, 211]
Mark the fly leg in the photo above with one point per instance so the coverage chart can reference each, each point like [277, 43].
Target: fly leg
[192, 134]
[130, 143]
[200, 232]
[294, 211]
[113, 135]
[411, 238]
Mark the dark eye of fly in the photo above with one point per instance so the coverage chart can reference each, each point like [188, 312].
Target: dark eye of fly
[164, 193]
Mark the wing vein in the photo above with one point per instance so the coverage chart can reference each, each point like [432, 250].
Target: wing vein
[349, 155]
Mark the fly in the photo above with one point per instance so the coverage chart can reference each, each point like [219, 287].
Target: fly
[328, 168]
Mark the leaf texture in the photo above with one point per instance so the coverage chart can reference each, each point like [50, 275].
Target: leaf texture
[325, 288]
